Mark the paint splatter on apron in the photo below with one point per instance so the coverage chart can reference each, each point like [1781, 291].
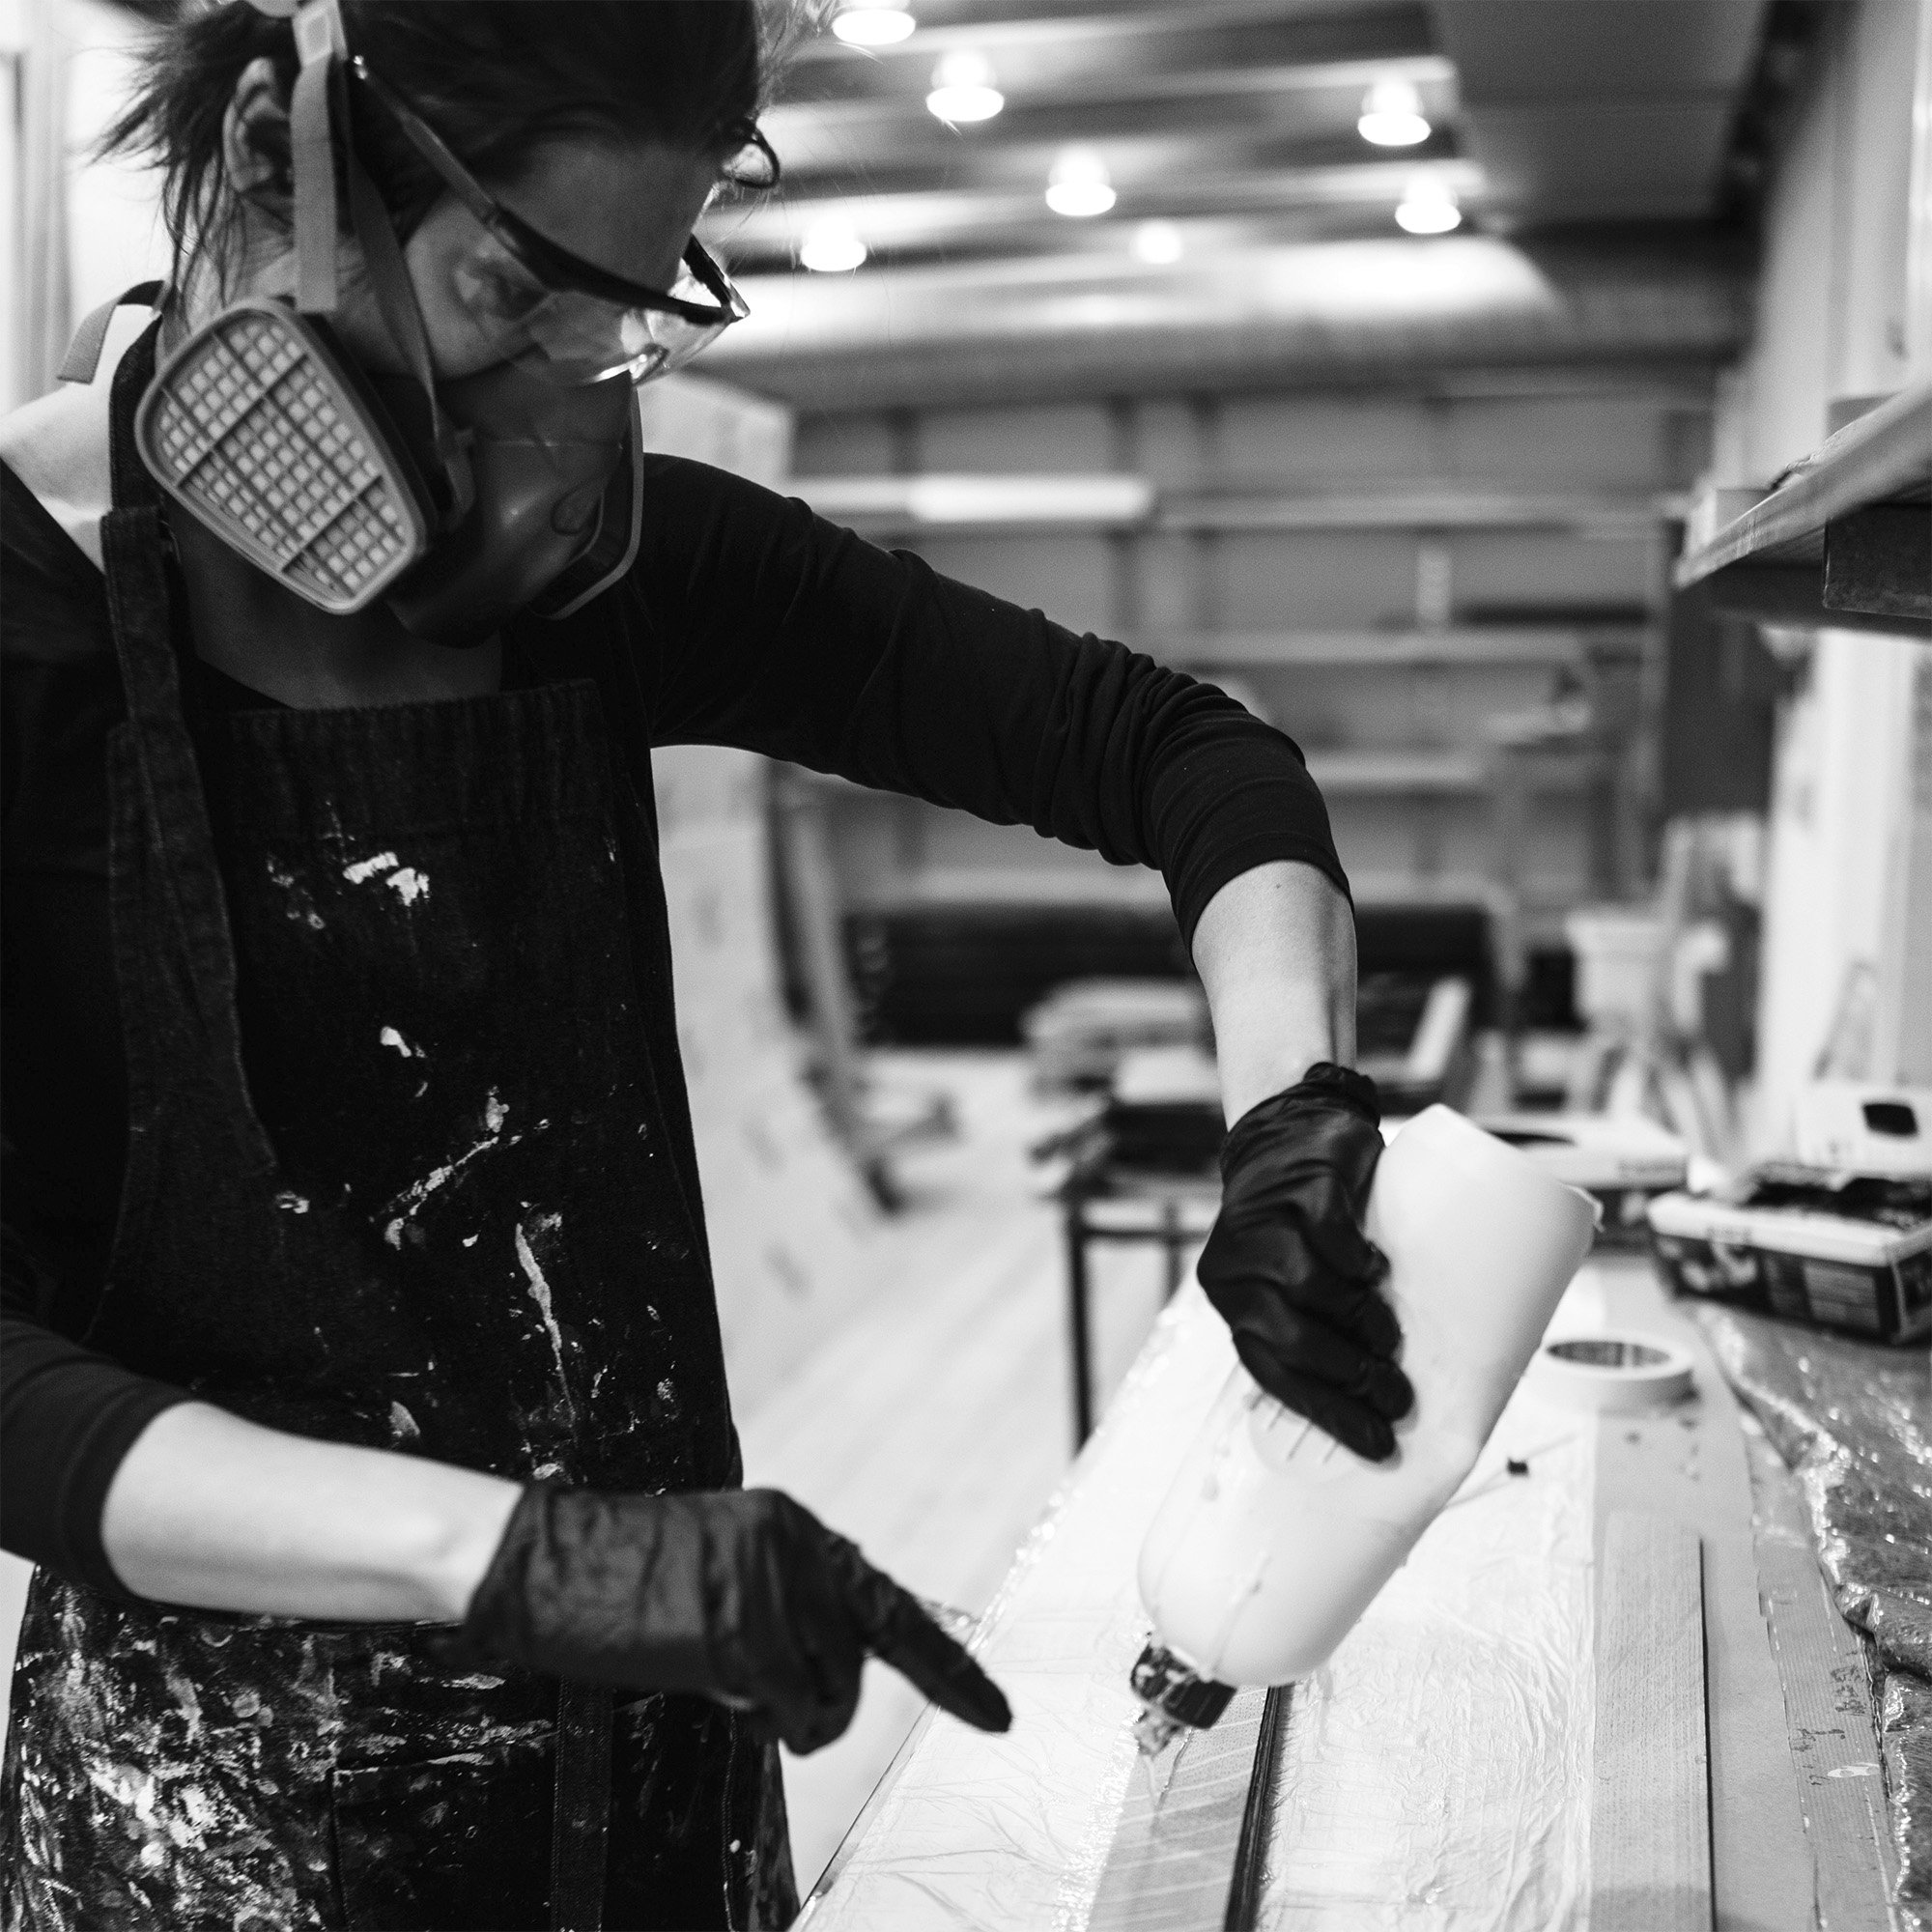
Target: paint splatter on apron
[409, 1166]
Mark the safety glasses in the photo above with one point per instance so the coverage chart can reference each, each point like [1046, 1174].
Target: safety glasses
[577, 323]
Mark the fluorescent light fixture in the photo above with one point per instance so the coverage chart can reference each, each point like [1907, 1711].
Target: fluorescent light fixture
[1428, 207]
[963, 90]
[1392, 115]
[1158, 243]
[1102, 498]
[1078, 185]
[873, 23]
[831, 247]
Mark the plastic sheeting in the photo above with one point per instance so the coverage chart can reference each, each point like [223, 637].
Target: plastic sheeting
[1854, 1422]
[1012, 1831]
[1436, 1771]
[1436, 1774]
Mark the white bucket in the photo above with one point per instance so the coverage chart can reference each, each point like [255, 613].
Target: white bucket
[1617, 950]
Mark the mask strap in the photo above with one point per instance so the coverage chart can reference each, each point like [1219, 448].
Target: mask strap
[324, 47]
[319, 41]
[396, 298]
[83, 353]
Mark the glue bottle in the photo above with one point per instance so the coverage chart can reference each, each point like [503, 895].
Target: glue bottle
[1275, 1538]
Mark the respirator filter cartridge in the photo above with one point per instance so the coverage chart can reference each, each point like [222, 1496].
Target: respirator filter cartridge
[258, 428]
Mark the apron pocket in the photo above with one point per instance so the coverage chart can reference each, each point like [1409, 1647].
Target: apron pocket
[447, 1844]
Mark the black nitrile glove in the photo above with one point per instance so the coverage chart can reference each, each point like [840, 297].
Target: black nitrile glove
[740, 1595]
[1288, 1266]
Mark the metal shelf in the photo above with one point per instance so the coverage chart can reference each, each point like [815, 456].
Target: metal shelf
[1125, 502]
[1355, 774]
[1845, 539]
[1392, 651]
[1443, 506]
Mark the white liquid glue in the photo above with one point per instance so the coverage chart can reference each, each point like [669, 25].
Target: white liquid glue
[1275, 1538]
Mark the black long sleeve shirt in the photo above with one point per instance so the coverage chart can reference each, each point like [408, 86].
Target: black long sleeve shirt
[755, 624]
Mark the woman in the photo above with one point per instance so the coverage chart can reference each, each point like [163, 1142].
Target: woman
[365, 1409]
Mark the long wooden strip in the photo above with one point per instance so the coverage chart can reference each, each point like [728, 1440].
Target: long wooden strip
[1175, 1854]
[1694, 1461]
[1833, 1742]
[1650, 1831]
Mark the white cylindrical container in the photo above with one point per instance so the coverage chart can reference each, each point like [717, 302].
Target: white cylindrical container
[1617, 951]
[1275, 1538]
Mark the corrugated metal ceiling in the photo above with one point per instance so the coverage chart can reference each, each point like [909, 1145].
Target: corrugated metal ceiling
[1232, 124]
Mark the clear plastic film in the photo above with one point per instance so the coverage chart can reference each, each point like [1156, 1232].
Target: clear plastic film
[1436, 1774]
[1854, 1421]
[1437, 1771]
[1014, 1831]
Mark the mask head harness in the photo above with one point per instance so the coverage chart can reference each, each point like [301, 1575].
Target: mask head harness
[339, 485]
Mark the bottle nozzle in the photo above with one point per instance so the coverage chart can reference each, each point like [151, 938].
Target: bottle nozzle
[1175, 1697]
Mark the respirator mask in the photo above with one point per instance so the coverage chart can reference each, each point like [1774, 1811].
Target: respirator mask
[459, 502]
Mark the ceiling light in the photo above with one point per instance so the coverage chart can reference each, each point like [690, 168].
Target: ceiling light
[963, 90]
[831, 247]
[873, 23]
[1428, 207]
[1078, 185]
[1158, 243]
[1392, 115]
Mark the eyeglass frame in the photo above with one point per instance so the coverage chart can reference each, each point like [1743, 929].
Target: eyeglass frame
[554, 266]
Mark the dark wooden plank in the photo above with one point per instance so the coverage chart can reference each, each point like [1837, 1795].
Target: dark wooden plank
[1244, 1888]
[1880, 560]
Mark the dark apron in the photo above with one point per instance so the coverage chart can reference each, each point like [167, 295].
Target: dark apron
[409, 1166]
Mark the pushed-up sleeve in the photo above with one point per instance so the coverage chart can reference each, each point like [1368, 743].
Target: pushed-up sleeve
[67, 1416]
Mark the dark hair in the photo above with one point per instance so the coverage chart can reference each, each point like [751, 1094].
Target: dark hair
[489, 75]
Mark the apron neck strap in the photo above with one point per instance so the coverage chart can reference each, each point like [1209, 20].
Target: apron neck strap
[173, 810]
[83, 353]
[134, 487]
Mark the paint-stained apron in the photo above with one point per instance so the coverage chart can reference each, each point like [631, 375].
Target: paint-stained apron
[407, 1167]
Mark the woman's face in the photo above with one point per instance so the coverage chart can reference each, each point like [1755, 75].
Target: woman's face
[628, 207]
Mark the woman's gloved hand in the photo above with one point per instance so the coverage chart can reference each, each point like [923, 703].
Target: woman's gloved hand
[741, 1595]
[1288, 1266]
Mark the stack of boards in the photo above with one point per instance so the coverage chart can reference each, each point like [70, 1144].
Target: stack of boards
[789, 1219]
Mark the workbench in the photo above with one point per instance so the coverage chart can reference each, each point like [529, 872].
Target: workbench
[1463, 1761]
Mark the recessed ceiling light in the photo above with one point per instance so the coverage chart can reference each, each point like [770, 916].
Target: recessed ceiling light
[831, 246]
[1428, 207]
[1158, 243]
[1078, 185]
[873, 23]
[963, 89]
[1392, 115]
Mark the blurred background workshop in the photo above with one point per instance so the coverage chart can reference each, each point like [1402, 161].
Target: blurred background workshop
[1526, 406]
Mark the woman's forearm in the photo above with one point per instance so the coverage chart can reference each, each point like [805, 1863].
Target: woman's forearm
[211, 1511]
[1275, 949]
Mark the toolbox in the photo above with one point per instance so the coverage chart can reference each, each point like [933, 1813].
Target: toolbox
[1841, 1250]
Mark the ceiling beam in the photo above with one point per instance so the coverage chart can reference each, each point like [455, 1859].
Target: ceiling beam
[1046, 58]
[877, 138]
[1169, 181]
[1276, 316]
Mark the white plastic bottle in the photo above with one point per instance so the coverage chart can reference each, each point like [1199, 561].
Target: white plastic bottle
[1275, 1538]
